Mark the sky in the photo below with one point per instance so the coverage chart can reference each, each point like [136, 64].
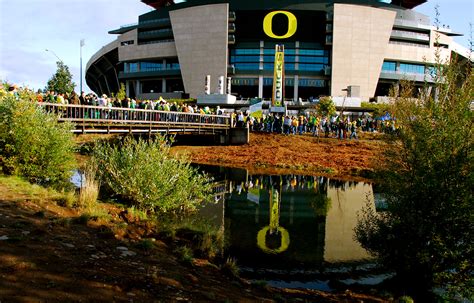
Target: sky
[29, 27]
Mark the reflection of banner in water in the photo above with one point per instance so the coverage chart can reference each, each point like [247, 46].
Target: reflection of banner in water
[255, 109]
[273, 230]
[254, 195]
[274, 210]
[279, 77]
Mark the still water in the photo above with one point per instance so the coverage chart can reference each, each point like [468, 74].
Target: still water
[293, 230]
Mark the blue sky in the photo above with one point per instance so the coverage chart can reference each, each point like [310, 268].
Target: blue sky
[28, 27]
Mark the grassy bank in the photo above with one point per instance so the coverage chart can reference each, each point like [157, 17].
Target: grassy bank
[54, 252]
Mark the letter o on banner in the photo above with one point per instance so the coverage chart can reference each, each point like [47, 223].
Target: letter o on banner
[284, 242]
[268, 25]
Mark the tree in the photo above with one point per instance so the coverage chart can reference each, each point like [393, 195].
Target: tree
[326, 107]
[426, 233]
[61, 81]
[32, 142]
[121, 94]
[145, 174]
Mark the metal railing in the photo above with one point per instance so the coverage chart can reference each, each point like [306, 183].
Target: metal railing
[120, 116]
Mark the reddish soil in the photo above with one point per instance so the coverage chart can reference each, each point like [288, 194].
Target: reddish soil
[47, 255]
[280, 154]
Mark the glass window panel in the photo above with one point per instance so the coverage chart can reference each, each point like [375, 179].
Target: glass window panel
[389, 66]
[268, 66]
[314, 52]
[247, 66]
[310, 59]
[311, 67]
[412, 68]
[289, 66]
[246, 51]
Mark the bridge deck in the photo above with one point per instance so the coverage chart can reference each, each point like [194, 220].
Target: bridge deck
[97, 119]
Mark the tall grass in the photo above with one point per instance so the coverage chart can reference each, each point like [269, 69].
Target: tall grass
[89, 191]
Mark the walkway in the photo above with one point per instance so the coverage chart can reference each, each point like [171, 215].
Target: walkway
[96, 119]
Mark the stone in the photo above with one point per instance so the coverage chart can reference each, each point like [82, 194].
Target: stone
[192, 278]
[128, 253]
[3, 238]
[122, 248]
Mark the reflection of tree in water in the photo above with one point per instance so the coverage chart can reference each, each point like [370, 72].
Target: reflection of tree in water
[321, 202]
[342, 185]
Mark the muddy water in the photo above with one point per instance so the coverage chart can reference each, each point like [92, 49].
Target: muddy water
[293, 231]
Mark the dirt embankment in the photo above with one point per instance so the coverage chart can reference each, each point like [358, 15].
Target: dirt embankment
[49, 254]
[280, 154]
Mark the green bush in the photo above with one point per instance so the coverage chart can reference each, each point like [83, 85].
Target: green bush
[326, 107]
[426, 233]
[32, 143]
[146, 175]
[379, 109]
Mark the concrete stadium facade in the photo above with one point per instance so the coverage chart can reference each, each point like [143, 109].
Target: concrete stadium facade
[338, 48]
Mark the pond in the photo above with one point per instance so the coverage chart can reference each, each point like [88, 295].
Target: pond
[292, 230]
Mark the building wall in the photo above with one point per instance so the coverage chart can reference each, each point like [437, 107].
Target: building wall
[145, 51]
[341, 219]
[409, 53]
[360, 40]
[201, 37]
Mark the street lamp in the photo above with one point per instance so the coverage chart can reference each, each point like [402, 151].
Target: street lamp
[48, 50]
[81, 44]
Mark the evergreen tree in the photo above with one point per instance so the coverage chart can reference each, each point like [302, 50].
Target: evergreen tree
[61, 81]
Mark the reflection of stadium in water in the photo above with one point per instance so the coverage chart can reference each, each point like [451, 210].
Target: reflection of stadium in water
[315, 223]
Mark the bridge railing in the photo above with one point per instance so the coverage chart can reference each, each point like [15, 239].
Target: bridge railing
[100, 114]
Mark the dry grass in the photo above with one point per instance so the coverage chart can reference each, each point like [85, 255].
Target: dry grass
[89, 190]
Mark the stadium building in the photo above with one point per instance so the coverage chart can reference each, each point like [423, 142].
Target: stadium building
[357, 48]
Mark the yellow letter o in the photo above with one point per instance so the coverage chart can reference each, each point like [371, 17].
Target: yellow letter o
[268, 26]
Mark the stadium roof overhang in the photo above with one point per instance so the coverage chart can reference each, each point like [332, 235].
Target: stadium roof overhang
[403, 3]
[158, 3]
[408, 3]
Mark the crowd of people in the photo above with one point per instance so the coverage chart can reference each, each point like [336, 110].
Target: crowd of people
[336, 126]
[92, 99]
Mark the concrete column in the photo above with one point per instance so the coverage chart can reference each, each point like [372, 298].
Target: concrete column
[260, 86]
[127, 88]
[138, 88]
[163, 85]
[295, 88]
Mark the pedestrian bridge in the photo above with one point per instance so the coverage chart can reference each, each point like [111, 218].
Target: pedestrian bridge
[98, 119]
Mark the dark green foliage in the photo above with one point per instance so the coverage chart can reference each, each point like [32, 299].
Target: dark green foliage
[379, 109]
[426, 234]
[230, 267]
[326, 107]
[121, 94]
[32, 143]
[145, 174]
[61, 81]
[185, 254]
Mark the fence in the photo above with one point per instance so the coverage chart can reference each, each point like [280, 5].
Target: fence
[86, 114]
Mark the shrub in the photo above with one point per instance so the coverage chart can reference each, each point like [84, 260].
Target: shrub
[185, 254]
[145, 174]
[32, 142]
[379, 109]
[230, 267]
[426, 234]
[326, 107]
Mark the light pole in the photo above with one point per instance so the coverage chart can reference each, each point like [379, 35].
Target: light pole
[81, 44]
[48, 50]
